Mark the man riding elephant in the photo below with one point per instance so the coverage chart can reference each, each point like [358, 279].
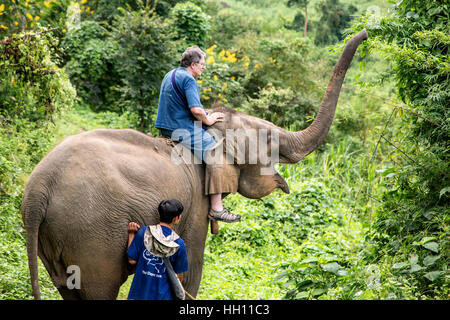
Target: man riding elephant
[179, 107]
[81, 196]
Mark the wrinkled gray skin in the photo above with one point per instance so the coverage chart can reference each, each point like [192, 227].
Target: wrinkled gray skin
[80, 198]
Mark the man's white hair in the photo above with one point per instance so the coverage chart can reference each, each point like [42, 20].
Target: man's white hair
[192, 54]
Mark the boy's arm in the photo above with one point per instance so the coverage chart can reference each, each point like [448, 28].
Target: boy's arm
[133, 227]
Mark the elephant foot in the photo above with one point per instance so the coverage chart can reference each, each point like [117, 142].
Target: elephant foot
[214, 227]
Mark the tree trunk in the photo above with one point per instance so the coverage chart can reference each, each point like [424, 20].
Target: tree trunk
[306, 22]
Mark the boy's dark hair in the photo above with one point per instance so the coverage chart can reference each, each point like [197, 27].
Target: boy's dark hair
[169, 209]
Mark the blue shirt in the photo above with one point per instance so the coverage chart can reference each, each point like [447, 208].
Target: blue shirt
[151, 281]
[172, 111]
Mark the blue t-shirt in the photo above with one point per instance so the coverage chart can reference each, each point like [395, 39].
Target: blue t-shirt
[172, 111]
[151, 281]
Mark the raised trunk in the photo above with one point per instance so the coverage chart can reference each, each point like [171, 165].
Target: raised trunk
[296, 145]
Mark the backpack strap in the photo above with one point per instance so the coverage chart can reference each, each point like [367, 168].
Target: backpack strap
[174, 85]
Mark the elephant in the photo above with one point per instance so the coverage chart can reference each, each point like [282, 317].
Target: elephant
[81, 196]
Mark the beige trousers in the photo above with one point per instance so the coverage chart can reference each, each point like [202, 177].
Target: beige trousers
[220, 176]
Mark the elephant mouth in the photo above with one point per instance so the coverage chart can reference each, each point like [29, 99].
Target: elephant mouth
[282, 184]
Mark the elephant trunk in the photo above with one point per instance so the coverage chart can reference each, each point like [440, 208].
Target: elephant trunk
[296, 145]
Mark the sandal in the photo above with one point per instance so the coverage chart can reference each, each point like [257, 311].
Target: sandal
[224, 215]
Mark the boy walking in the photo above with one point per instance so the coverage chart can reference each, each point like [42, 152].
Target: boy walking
[146, 248]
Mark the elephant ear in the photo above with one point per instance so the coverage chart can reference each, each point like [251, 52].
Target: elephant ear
[251, 144]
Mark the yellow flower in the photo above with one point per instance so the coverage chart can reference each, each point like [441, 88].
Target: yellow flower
[205, 97]
[83, 1]
[222, 53]
[211, 49]
[199, 82]
[246, 65]
[219, 95]
[216, 77]
[233, 78]
[3, 27]
[224, 100]
[2, 7]
[210, 60]
[47, 4]
[64, 30]
[29, 16]
[36, 18]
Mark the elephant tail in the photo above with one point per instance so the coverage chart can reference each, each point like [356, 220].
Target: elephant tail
[34, 208]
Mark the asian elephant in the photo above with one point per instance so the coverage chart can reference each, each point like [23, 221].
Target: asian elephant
[80, 198]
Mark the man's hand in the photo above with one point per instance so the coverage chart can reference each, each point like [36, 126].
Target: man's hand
[133, 227]
[207, 119]
[216, 117]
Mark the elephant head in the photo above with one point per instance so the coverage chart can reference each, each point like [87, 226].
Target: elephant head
[255, 145]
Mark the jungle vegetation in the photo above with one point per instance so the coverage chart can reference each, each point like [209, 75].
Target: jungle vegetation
[368, 212]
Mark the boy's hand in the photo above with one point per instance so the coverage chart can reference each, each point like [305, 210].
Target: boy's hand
[133, 227]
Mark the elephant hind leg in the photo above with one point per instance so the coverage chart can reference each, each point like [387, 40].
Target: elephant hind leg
[101, 279]
[69, 294]
[58, 273]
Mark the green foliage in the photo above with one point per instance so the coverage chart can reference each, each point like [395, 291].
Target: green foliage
[90, 65]
[367, 216]
[227, 24]
[335, 17]
[221, 82]
[32, 86]
[297, 246]
[105, 10]
[190, 23]
[279, 62]
[282, 107]
[22, 146]
[20, 16]
[299, 20]
[145, 53]
[412, 224]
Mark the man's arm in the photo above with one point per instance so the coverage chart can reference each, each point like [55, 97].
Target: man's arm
[133, 227]
[209, 120]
